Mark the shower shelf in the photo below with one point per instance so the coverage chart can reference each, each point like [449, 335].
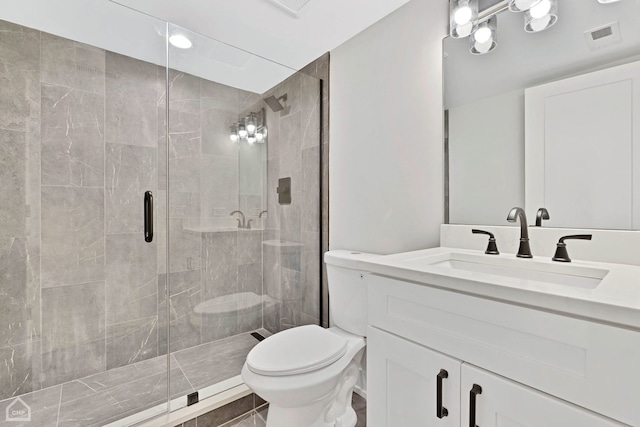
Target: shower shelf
[219, 229]
[281, 243]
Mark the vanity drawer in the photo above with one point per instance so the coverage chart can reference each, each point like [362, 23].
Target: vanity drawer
[593, 365]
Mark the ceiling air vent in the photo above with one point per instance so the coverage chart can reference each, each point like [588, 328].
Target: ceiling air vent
[294, 7]
[604, 36]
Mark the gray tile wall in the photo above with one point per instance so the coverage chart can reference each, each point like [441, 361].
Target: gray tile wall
[82, 136]
[320, 70]
[292, 232]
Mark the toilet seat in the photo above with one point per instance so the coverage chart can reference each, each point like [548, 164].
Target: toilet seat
[296, 351]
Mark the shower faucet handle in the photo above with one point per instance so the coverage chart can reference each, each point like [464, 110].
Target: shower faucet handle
[492, 247]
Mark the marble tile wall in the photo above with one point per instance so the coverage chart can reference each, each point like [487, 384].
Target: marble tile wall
[320, 70]
[82, 136]
[292, 234]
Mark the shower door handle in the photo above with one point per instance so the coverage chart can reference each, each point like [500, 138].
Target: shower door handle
[148, 216]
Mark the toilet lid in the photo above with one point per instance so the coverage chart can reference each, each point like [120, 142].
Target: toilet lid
[296, 351]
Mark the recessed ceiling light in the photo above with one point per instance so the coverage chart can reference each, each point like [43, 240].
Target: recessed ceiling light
[180, 41]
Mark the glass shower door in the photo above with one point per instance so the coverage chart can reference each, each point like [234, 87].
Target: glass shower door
[79, 143]
[244, 208]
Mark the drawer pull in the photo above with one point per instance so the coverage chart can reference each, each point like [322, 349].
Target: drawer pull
[441, 411]
[475, 390]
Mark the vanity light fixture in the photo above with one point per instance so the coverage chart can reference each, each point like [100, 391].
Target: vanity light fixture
[608, 1]
[541, 16]
[465, 20]
[463, 17]
[252, 129]
[485, 38]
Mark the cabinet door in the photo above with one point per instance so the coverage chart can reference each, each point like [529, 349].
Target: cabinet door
[404, 380]
[503, 403]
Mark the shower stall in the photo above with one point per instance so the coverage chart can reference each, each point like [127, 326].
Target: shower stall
[146, 242]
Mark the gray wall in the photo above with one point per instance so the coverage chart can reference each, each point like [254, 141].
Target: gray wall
[82, 136]
[292, 232]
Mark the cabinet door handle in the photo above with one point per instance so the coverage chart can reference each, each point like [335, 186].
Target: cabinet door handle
[148, 216]
[441, 411]
[475, 390]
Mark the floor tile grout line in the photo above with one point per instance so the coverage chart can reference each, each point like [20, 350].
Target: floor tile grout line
[59, 408]
[183, 373]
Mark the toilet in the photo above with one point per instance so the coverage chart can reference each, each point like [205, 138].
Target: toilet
[308, 373]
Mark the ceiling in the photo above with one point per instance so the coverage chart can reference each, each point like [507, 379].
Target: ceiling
[249, 44]
[263, 28]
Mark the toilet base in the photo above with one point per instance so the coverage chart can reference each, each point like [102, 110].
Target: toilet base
[333, 410]
[308, 416]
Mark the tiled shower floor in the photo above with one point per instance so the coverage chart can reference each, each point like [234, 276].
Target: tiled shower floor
[102, 398]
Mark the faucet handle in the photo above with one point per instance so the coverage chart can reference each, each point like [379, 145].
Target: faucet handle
[492, 247]
[561, 254]
[542, 213]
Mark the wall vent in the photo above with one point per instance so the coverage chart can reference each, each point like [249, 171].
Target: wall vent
[294, 7]
[603, 36]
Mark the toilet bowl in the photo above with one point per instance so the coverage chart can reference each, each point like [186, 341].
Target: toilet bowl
[308, 373]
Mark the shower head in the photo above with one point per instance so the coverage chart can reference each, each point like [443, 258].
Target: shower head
[274, 103]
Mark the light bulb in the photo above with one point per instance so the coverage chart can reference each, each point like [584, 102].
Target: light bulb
[463, 15]
[233, 133]
[484, 39]
[259, 137]
[522, 5]
[541, 16]
[541, 9]
[251, 139]
[250, 121]
[483, 35]
[180, 41]
[242, 131]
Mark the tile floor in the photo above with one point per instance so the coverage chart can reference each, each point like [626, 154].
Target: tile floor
[258, 417]
[112, 395]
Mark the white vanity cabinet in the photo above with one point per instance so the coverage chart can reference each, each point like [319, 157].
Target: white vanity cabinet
[504, 403]
[403, 383]
[405, 379]
[534, 368]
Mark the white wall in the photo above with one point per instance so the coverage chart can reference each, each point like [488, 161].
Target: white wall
[386, 154]
[486, 159]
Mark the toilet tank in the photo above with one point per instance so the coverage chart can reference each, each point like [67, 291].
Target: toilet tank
[347, 290]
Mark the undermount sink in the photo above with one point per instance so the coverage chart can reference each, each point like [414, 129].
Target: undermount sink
[523, 269]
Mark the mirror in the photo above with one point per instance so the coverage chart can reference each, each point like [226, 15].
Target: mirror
[547, 119]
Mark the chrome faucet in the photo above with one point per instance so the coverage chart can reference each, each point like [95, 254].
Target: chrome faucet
[241, 224]
[524, 251]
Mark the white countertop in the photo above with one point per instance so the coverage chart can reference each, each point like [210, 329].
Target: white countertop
[615, 300]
